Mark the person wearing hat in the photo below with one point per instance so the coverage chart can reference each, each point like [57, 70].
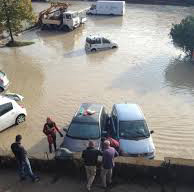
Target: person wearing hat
[50, 129]
[24, 167]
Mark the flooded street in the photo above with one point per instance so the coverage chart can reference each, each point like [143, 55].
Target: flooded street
[55, 76]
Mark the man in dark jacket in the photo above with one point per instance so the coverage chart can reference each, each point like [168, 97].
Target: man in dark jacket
[90, 156]
[23, 162]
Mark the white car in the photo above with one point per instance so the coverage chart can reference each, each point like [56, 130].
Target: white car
[10, 111]
[4, 82]
[131, 130]
[94, 43]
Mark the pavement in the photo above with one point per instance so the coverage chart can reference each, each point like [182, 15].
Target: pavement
[9, 182]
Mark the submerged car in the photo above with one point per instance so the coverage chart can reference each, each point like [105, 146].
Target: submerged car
[10, 111]
[95, 43]
[87, 124]
[130, 128]
[4, 82]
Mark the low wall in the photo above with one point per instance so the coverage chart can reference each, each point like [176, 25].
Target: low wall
[169, 170]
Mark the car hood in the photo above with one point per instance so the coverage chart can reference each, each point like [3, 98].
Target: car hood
[137, 146]
[78, 145]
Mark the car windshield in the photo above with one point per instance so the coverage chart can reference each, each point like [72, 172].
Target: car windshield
[133, 130]
[84, 131]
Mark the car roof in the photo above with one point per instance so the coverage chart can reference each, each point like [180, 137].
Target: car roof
[94, 118]
[129, 112]
[4, 99]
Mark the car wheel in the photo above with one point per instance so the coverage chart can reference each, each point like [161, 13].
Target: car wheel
[20, 119]
[1, 89]
[114, 47]
[93, 50]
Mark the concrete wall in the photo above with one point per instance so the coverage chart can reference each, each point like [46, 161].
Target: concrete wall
[169, 170]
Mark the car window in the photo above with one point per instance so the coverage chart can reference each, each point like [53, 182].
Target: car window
[105, 40]
[4, 108]
[68, 16]
[84, 131]
[98, 41]
[133, 129]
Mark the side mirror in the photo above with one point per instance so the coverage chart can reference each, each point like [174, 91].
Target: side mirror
[151, 132]
[104, 133]
[65, 130]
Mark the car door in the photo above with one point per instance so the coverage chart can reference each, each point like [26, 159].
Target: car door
[98, 43]
[6, 115]
[106, 43]
[114, 122]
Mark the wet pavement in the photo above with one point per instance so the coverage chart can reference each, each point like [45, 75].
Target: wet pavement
[55, 75]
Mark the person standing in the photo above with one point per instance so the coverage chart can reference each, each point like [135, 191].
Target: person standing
[108, 156]
[90, 156]
[23, 163]
[50, 129]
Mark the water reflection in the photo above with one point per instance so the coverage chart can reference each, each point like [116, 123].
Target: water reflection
[179, 75]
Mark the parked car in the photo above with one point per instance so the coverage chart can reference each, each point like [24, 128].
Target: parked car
[88, 123]
[10, 111]
[130, 128]
[4, 82]
[107, 8]
[94, 43]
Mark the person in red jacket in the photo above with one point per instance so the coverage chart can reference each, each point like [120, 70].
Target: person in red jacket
[50, 129]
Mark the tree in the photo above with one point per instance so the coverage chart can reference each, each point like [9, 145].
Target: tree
[13, 13]
[183, 35]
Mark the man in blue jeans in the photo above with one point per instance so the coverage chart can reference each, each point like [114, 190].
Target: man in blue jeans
[108, 156]
[24, 167]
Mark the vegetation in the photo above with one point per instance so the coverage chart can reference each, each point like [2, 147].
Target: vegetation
[13, 13]
[183, 35]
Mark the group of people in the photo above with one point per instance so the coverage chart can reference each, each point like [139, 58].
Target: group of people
[90, 156]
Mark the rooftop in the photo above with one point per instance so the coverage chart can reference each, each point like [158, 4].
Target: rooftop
[94, 118]
[129, 112]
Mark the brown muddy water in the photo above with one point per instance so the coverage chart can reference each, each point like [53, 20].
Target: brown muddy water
[55, 75]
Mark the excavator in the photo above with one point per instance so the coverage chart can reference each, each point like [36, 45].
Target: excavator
[55, 6]
[59, 18]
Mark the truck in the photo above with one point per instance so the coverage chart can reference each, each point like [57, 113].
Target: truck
[59, 18]
[107, 8]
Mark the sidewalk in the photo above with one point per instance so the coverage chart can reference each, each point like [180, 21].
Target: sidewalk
[49, 183]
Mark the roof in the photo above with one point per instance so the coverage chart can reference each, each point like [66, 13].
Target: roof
[94, 118]
[129, 112]
[93, 36]
[4, 99]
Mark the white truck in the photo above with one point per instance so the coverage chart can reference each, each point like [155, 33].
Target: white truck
[107, 8]
[66, 21]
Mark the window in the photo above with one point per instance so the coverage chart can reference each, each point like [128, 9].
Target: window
[98, 41]
[103, 120]
[68, 16]
[4, 108]
[133, 129]
[84, 131]
[105, 40]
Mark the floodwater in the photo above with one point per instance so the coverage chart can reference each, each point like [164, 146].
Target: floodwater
[55, 76]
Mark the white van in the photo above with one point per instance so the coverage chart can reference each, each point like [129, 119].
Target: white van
[107, 8]
[10, 111]
[95, 43]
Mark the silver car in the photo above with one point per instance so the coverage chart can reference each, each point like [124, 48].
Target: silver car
[132, 132]
[4, 82]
